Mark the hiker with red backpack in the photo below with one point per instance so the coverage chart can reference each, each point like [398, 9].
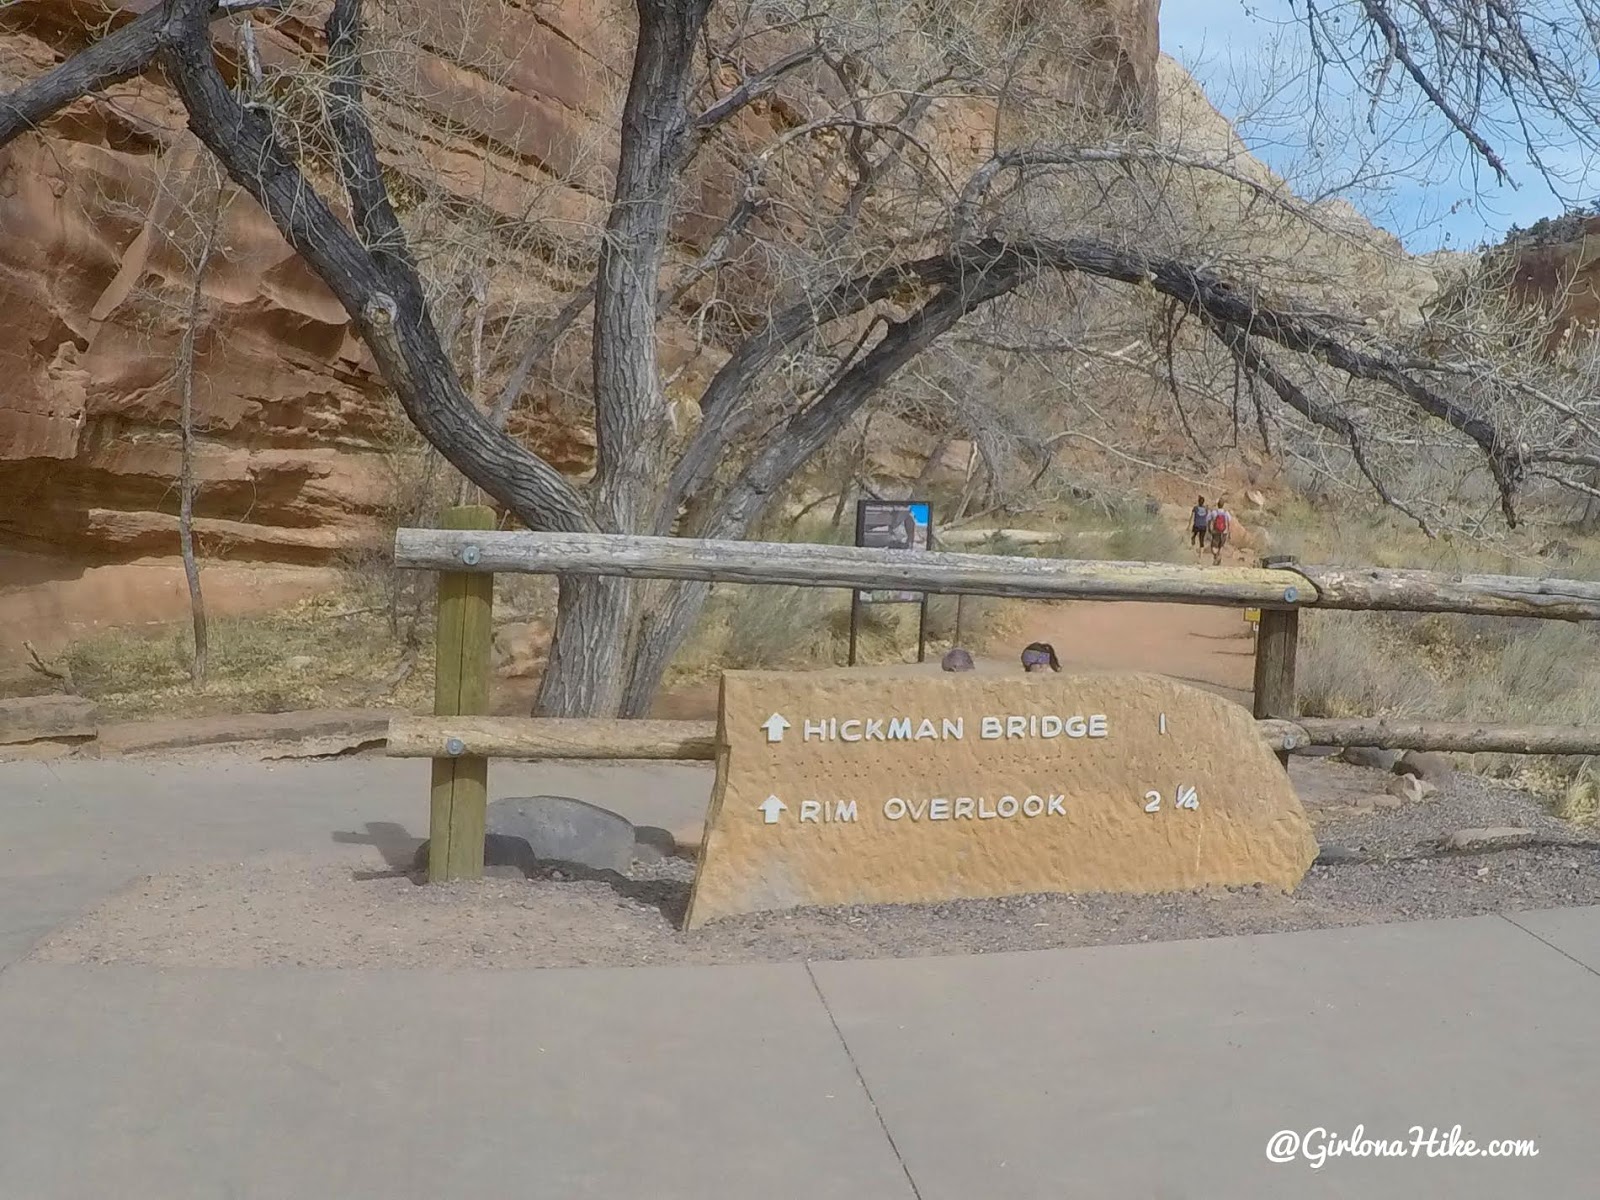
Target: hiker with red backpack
[1219, 526]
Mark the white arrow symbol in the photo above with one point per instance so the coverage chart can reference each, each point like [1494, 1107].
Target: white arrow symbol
[775, 725]
[771, 807]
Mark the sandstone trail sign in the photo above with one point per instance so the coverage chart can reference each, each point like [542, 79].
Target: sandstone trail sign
[834, 788]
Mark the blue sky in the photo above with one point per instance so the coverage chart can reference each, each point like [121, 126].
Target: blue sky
[1254, 62]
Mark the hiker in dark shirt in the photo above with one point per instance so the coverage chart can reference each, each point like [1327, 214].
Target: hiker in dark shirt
[1040, 656]
[1199, 522]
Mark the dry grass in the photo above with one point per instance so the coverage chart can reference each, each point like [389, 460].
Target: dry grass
[342, 650]
[1579, 800]
[793, 628]
[1373, 536]
[1118, 532]
[1447, 667]
[321, 653]
[1450, 668]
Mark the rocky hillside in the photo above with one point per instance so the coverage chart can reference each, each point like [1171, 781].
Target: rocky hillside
[1333, 255]
[95, 288]
[1556, 264]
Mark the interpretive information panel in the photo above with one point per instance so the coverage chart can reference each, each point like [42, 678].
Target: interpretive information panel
[833, 788]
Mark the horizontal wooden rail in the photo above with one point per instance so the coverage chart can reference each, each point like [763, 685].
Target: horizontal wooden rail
[696, 741]
[1381, 589]
[808, 564]
[530, 737]
[1466, 737]
[814, 565]
[538, 737]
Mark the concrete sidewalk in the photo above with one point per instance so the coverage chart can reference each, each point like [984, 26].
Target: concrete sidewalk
[1156, 1070]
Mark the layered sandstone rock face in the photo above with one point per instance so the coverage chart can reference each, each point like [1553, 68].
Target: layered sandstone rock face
[512, 110]
[102, 216]
[1562, 273]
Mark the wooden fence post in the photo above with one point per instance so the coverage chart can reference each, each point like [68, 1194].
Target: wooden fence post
[461, 688]
[1276, 641]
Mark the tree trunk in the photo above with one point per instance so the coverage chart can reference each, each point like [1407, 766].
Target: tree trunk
[186, 480]
[191, 564]
[662, 630]
[784, 453]
[478, 297]
[630, 408]
[589, 651]
[595, 633]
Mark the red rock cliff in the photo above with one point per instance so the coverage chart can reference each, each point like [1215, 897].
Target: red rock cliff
[1561, 273]
[95, 279]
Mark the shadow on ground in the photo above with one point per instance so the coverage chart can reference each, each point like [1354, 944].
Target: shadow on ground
[402, 852]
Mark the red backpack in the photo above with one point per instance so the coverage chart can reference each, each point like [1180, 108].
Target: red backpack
[1219, 522]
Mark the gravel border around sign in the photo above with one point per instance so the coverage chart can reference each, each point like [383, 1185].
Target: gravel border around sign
[355, 912]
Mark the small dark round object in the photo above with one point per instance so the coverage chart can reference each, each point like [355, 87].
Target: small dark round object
[1040, 656]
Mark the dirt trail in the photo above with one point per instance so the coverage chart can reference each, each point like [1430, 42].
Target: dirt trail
[1210, 647]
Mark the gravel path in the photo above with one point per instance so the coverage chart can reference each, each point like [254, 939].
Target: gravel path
[355, 913]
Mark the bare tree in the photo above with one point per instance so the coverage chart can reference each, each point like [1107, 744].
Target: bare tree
[210, 225]
[1499, 72]
[855, 243]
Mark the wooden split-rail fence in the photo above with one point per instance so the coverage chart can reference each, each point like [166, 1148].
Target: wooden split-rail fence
[468, 552]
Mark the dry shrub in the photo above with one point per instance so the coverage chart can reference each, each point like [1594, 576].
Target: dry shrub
[979, 615]
[1347, 667]
[321, 653]
[775, 627]
[761, 627]
[1579, 801]
[1148, 540]
[1449, 668]
[795, 628]
[419, 485]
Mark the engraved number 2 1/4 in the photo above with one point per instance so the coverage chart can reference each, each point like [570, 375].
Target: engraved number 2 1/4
[1186, 798]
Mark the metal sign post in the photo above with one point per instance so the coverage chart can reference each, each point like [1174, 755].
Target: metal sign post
[892, 525]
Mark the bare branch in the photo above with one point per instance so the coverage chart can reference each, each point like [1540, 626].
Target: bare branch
[752, 88]
[119, 55]
[1379, 15]
[359, 168]
[1261, 367]
[543, 339]
[39, 666]
[540, 344]
[1030, 157]
[385, 306]
[814, 425]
